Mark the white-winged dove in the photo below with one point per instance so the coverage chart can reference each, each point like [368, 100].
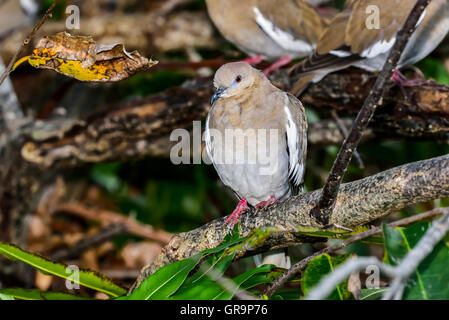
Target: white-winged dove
[261, 125]
[279, 30]
[251, 121]
[354, 39]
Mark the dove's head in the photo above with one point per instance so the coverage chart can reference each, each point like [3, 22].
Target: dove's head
[234, 79]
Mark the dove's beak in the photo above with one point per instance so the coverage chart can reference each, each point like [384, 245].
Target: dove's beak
[217, 94]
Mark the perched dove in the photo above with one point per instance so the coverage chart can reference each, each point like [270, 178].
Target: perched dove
[363, 34]
[251, 119]
[279, 30]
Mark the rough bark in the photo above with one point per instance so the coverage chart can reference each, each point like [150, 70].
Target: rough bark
[141, 128]
[358, 202]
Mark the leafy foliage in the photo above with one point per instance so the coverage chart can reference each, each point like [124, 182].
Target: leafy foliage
[321, 266]
[85, 278]
[173, 281]
[430, 280]
[34, 294]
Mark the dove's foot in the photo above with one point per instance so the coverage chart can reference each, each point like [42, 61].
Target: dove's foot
[265, 204]
[234, 216]
[278, 64]
[254, 60]
[403, 82]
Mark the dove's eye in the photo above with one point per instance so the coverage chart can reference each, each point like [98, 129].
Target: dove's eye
[238, 79]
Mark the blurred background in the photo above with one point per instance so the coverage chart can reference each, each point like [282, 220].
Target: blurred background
[83, 202]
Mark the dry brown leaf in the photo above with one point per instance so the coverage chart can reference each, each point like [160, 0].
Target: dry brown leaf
[43, 281]
[355, 285]
[137, 255]
[89, 260]
[81, 58]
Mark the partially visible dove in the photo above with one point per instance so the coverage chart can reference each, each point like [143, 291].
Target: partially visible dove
[276, 30]
[363, 34]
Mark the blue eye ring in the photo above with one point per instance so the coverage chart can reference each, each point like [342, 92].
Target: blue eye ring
[238, 79]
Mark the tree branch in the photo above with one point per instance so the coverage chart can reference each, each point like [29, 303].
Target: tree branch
[358, 202]
[322, 211]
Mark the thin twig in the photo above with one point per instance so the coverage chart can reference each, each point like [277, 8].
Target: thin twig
[104, 216]
[322, 211]
[27, 41]
[344, 131]
[298, 267]
[100, 237]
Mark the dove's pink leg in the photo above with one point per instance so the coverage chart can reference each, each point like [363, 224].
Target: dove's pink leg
[254, 60]
[267, 203]
[402, 81]
[234, 217]
[275, 66]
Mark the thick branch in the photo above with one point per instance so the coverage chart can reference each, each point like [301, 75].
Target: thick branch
[358, 202]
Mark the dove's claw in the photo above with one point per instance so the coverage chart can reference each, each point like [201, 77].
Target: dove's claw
[265, 204]
[234, 216]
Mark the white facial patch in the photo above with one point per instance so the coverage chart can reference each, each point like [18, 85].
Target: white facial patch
[284, 39]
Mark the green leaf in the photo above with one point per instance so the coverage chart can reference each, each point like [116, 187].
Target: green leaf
[338, 233]
[6, 297]
[256, 280]
[430, 280]
[372, 294]
[204, 289]
[172, 281]
[241, 279]
[207, 289]
[85, 278]
[34, 294]
[218, 262]
[286, 295]
[320, 267]
[200, 286]
[166, 281]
